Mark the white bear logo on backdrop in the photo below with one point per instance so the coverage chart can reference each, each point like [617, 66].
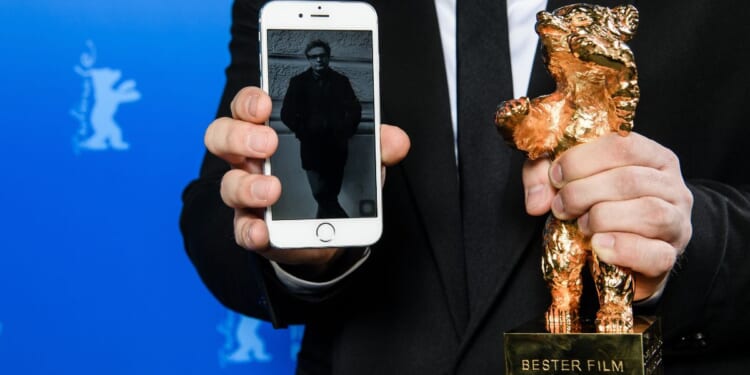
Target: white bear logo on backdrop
[243, 343]
[97, 128]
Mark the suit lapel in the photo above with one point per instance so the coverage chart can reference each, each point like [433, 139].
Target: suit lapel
[415, 96]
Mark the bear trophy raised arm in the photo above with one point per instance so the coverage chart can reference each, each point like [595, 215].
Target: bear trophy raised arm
[597, 93]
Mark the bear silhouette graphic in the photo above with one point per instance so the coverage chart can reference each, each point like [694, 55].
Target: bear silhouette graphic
[106, 132]
[98, 129]
[243, 344]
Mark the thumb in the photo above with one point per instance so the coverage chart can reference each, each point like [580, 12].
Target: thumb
[538, 189]
[394, 143]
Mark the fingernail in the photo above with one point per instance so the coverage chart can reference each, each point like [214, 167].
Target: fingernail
[604, 246]
[252, 105]
[258, 141]
[583, 223]
[557, 205]
[260, 189]
[556, 175]
[534, 196]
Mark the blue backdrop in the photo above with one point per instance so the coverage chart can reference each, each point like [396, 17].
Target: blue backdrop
[103, 108]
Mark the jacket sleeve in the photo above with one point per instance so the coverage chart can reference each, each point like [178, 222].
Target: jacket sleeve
[239, 279]
[704, 306]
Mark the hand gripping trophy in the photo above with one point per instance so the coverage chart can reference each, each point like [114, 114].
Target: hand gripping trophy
[597, 92]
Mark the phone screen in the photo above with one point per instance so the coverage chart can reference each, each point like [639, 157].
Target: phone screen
[321, 85]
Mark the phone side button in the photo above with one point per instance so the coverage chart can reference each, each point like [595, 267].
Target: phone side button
[325, 232]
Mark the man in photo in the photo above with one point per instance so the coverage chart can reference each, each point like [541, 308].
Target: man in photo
[320, 107]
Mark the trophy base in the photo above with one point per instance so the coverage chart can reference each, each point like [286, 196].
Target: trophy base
[531, 350]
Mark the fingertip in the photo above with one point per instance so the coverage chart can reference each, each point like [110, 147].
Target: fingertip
[230, 184]
[538, 192]
[395, 144]
[603, 244]
[274, 191]
[537, 199]
[251, 104]
[556, 175]
[558, 208]
[213, 136]
[262, 141]
[256, 236]
[535, 172]
[263, 191]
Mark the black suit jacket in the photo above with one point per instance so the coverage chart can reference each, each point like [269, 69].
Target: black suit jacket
[407, 310]
[323, 113]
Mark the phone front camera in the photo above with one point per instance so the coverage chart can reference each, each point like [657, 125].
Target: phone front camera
[300, 15]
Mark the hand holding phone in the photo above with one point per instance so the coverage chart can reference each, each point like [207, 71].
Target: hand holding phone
[244, 141]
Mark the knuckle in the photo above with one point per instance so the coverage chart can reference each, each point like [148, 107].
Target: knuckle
[656, 257]
[669, 158]
[233, 138]
[662, 213]
[624, 148]
[230, 186]
[244, 188]
[684, 239]
[689, 199]
[629, 180]
[686, 198]
[661, 216]
[685, 232]
[666, 258]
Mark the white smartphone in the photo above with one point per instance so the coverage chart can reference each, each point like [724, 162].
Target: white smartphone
[320, 65]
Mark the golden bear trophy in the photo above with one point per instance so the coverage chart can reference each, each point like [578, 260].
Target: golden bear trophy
[597, 93]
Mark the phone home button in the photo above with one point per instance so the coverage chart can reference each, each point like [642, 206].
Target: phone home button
[325, 232]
